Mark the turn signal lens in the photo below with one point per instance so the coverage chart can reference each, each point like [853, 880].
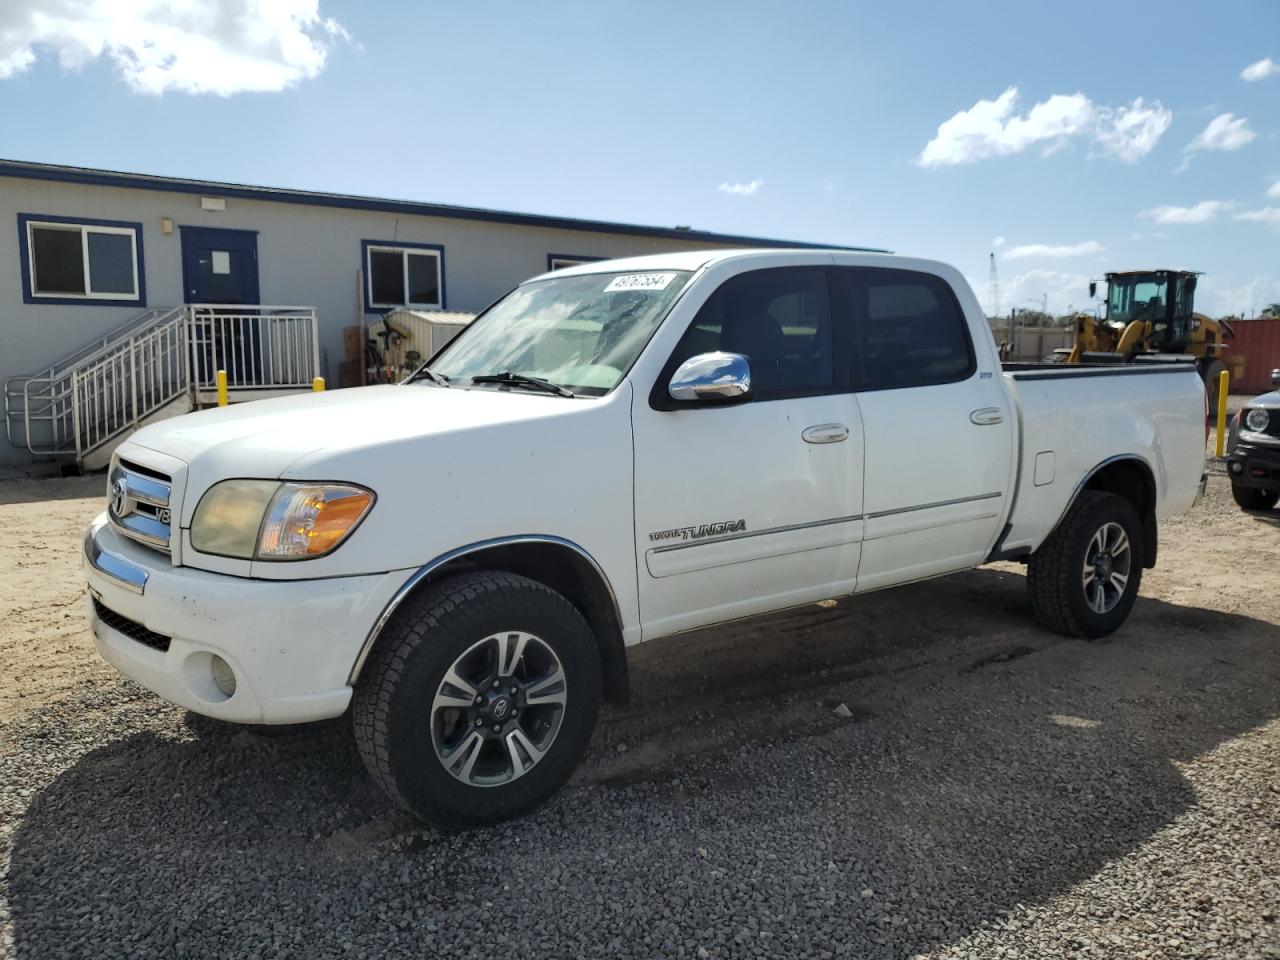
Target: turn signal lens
[309, 520]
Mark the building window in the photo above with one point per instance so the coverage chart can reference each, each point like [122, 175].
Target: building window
[558, 261]
[80, 261]
[403, 275]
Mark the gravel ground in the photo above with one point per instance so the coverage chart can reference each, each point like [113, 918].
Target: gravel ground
[995, 791]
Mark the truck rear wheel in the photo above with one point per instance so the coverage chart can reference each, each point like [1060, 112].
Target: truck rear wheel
[1084, 579]
[1254, 498]
[479, 700]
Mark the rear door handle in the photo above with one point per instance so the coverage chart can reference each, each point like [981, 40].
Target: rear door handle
[987, 416]
[825, 433]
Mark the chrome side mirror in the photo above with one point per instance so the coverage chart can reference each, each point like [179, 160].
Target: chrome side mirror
[712, 376]
[1275, 379]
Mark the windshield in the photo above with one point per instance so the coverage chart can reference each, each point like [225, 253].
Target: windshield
[1136, 298]
[581, 333]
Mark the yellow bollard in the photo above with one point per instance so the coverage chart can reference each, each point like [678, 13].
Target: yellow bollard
[318, 384]
[222, 388]
[1221, 449]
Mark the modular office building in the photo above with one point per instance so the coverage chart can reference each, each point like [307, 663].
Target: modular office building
[120, 293]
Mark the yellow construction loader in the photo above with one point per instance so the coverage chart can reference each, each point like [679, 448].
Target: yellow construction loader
[1153, 311]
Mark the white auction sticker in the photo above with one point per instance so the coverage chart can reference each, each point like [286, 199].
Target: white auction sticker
[639, 281]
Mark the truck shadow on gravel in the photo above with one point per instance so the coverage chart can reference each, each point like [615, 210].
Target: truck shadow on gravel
[729, 807]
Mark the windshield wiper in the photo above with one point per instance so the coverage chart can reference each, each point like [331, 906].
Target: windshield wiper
[424, 373]
[511, 378]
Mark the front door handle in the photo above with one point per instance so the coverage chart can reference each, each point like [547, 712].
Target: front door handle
[987, 416]
[826, 433]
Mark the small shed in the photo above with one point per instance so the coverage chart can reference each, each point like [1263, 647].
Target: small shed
[429, 330]
[398, 343]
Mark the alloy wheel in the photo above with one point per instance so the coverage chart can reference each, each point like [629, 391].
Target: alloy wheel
[1107, 564]
[498, 709]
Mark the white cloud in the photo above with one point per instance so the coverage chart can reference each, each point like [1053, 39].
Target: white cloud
[1274, 190]
[1054, 251]
[1260, 70]
[1217, 299]
[1224, 132]
[1202, 212]
[1268, 215]
[742, 189]
[1027, 291]
[992, 128]
[192, 46]
[1130, 133]
[998, 242]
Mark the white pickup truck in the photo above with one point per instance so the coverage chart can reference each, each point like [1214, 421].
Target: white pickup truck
[614, 453]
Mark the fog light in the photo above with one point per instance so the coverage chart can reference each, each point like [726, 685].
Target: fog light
[224, 678]
[1237, 467]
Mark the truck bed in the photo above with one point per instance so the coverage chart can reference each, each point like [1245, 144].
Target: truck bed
[1151, 411]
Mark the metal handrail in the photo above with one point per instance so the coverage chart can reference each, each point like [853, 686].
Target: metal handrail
[119, 380]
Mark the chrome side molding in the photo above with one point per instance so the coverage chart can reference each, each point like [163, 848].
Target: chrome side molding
[116, 569]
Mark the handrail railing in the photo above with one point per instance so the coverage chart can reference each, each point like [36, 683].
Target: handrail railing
[108, 387]
[260, 347]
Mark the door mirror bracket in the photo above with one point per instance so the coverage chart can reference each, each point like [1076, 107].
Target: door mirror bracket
[716, 377]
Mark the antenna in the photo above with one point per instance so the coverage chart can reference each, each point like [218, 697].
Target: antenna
[994, 294]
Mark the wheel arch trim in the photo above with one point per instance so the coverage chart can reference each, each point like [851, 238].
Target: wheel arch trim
[422, 573]
[1149, 548]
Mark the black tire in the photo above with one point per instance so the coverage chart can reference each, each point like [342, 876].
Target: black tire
[396, 722]
[1055, 573]
[1254, 498]
[1210, 372]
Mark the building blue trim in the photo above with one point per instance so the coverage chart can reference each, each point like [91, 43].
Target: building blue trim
[571, 256]
[398, 245]
[24, 254]
[107, 178]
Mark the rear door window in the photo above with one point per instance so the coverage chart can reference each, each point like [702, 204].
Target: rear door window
[908, 330]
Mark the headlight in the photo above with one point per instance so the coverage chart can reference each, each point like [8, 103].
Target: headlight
[268, 520]
[1256, 420]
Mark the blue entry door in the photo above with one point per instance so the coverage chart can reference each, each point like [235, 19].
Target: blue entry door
[221, 267]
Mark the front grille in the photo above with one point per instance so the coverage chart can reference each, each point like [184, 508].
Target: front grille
[131, 628]
[139, 504]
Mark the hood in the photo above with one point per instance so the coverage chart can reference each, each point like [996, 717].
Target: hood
[263, 438]
[1269, 400]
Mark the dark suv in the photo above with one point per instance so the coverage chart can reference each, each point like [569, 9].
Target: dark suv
[1253, 454]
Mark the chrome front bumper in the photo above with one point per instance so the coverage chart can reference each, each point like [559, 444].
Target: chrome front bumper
[289, 643]
[113, 566]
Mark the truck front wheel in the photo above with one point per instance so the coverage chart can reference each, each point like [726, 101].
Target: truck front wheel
[479, 700]
[1084, 579]
[1253, 498]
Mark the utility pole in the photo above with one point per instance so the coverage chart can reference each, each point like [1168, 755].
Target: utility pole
[993, 296]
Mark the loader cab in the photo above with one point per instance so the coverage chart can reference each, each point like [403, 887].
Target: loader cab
[1165, 298]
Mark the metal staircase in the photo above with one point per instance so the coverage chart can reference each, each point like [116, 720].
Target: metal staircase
[160, 363]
